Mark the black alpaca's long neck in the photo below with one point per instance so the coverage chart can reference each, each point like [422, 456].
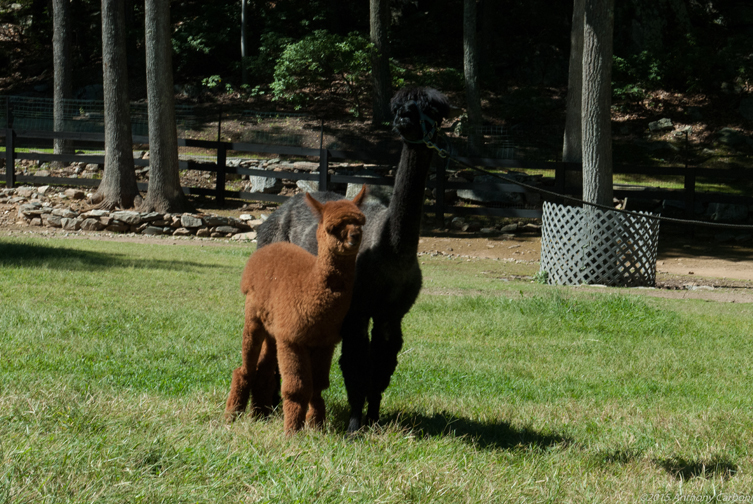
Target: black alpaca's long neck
[407, 201]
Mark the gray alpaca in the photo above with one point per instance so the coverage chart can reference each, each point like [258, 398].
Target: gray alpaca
[388, 277]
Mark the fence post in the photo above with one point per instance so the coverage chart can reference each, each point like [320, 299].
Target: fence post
[439, 187]
[8, 118]
[690, 197]
[323, 169]
[221, 165]
[10, 157]
[559, 177]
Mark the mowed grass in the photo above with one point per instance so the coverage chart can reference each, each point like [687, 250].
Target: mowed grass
[115, 363]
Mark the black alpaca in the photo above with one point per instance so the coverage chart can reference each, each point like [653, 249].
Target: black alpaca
[388, 277]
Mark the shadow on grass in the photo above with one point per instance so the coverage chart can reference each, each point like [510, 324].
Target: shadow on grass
[34, 255]
[683, 469]
[486, 435]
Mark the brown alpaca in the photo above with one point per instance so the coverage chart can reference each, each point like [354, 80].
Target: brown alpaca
[297, 302]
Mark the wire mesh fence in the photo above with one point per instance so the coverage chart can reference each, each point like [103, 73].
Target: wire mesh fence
[79, 116]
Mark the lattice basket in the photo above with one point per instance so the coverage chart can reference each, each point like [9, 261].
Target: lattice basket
[590, 246]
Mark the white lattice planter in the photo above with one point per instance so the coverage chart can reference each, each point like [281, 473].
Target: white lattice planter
[590, 246]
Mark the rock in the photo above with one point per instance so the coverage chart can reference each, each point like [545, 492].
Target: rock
[457, 223]
[305, 166]
[246, 217]
[307, 185]
[70, 224]
[488, 230]
[42, 173]
[36, 221]
[215, 220]
[379, 193]
[43, 189]
[65, 212]
[152, 230]
[661, 125]
[25, 192]
[726, 212]
[54, 221]
[151, 216]
[265, 185]
[733, 138]
[127, 216]
[251, 235]
[29, 210]
[191, 221]
[75, 194]
[226, 230]
[746, 108]
[118, 227]
[487, 190]
[203, 232]
[182, 232]
[92, 168]
[91, 224]
[510, 228]
[253, 224]
[96, 213]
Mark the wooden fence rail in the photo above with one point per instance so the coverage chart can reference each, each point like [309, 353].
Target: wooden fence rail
[555, 183]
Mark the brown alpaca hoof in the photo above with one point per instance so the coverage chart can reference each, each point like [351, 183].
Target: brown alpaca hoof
[230, 416]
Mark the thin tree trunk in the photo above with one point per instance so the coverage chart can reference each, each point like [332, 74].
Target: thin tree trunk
[380, 64]
[118, 187]
[572, 148]
[63, 71]
[470, 69]
[597, 100]
[164, 194]
[244, 71]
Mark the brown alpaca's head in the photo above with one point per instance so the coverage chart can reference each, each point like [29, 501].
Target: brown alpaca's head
[419, 112]
[340, 224]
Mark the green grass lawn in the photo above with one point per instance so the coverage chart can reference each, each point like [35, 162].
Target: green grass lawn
[115, 363]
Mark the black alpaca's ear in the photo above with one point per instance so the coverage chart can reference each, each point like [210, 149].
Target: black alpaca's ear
[315, 206]
[361, 196]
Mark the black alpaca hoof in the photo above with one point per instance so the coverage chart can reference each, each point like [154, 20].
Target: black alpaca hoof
[354, 425]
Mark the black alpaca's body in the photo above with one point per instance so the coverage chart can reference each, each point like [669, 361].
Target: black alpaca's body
[388, 277]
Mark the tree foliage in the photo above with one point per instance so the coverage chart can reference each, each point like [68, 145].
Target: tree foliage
[323, 62]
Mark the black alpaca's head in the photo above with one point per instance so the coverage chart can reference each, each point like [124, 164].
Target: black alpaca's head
[418, 112]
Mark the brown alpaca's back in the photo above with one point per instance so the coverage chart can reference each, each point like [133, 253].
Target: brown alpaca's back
[283, 291]
[296, 303]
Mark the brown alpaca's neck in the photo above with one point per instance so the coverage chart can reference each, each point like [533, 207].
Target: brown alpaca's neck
[407, 201]
[334, 272]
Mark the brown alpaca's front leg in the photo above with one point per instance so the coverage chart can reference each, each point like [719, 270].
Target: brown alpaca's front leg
[321, 362]
[295, 368]
[243, 377]
[265, 390]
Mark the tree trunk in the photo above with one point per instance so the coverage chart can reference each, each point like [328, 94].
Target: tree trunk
[596, 101]
[118, 187]
[164, 194]
[244, 71]
[61, 54]
[470, 69]
[380, 62]
[572, 148]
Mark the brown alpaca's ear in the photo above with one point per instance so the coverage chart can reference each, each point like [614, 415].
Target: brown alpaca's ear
[316, 207]
[361, 196]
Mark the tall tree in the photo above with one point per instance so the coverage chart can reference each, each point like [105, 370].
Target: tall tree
[572, 148]
[598, 25]
[380, 64]
[244, 71]
[164, 193]
[63, 71]
[118, 187]
[470, 69]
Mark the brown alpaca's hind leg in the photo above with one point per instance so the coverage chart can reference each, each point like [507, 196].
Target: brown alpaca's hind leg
[264, 391]
[295, 368]
[321, 362]
[243, 377]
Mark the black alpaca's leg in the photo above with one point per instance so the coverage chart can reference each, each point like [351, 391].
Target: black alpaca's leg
[386, 342]
[266, 387]
[321, 362]
[243, 377]
[354, 363]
